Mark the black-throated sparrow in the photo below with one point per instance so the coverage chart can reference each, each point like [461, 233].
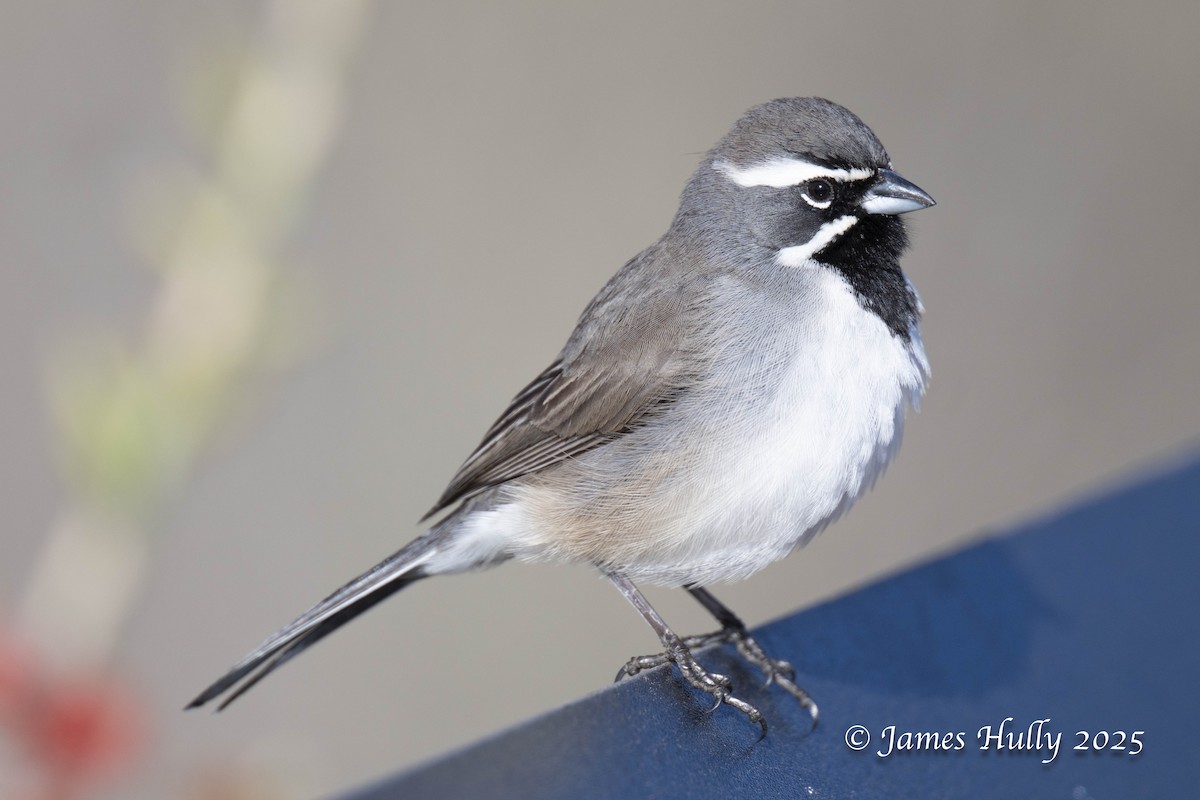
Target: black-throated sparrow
[733, 389]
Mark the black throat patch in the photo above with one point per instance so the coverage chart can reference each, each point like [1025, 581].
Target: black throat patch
[868, 255]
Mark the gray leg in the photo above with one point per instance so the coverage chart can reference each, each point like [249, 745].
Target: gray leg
[734, 630]
[679, 653]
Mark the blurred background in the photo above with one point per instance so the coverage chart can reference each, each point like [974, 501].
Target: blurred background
[269, 270]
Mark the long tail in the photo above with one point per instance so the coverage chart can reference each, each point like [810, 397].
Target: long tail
[377, 584]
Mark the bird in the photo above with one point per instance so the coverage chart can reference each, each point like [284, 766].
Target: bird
[730, 391]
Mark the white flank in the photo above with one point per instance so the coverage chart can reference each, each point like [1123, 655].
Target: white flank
[801, 254]
[780, 172]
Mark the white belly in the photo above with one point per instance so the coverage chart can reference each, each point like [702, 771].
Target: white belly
[778, 442]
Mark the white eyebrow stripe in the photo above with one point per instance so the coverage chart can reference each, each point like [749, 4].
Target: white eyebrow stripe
[780, 172]
[801, 254]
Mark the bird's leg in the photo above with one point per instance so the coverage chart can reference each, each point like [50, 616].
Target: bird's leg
[734, 630]
[678, 652]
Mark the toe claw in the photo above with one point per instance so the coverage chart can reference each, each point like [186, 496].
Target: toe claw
[752, 713]
[777, 671]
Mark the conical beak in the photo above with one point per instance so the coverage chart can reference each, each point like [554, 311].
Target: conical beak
[892, 194]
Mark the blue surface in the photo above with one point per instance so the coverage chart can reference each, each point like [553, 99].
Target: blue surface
[1087, 618]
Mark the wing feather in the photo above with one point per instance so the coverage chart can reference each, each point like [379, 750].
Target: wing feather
[632, 352]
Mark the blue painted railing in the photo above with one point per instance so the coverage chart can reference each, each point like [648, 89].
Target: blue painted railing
[1086, 620]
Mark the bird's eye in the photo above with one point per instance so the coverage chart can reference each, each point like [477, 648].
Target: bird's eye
[819, 192]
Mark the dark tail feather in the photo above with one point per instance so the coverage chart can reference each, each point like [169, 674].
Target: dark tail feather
[372, 587]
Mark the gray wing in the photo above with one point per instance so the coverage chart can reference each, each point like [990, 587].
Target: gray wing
[631, 353]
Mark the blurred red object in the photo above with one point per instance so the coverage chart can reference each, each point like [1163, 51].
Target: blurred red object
[88, 730]
[75, 732]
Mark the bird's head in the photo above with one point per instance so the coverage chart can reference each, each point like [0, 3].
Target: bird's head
[806, 179]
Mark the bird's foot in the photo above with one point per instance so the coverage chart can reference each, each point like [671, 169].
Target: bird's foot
[777, 670]
[718, 686]
[641, 663]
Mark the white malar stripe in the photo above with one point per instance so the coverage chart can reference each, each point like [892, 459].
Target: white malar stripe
[780, 172]
[801, 254]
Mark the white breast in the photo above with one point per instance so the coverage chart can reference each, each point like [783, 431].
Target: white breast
[802, 412]
[831, 427]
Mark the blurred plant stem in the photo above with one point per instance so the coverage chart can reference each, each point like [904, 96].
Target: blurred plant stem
[134, 417]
